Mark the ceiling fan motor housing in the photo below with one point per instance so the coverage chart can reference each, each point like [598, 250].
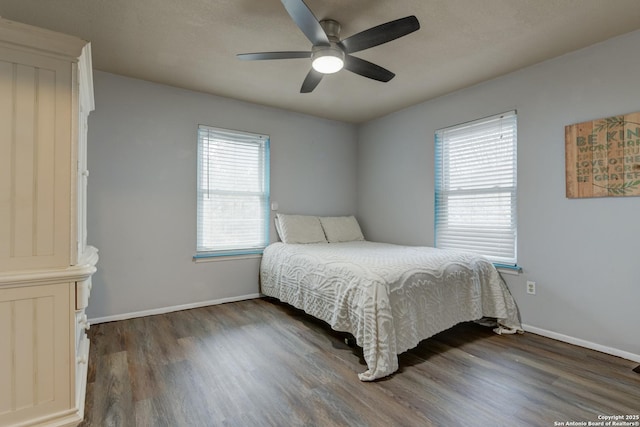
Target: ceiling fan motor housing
[332, 29]
[328, 59]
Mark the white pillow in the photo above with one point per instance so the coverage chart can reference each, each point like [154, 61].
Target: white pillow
[341, 228]
[299, 229]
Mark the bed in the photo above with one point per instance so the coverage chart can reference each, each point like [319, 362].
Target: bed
[389, 297]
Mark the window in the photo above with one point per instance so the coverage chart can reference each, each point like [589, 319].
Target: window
[476, 188]
[233, 192]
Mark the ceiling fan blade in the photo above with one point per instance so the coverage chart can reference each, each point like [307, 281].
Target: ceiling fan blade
[273, 55]
[381, 34]
[306, 21]
[367, 69]
[311, 81]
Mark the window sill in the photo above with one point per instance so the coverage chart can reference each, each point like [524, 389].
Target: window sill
[513, 270]
[229, 256]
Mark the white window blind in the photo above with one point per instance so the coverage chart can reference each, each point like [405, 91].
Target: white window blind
[233, 192]
[476, 187]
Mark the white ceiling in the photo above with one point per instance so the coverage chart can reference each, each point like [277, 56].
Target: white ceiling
[192, 44]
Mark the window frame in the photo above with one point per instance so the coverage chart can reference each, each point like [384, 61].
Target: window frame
[203, 252]
[496, 188]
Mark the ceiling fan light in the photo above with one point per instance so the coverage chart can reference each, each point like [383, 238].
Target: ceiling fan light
[327, 60]
[327, 64]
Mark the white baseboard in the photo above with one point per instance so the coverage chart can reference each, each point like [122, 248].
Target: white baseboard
[582, 343]
[170, 309]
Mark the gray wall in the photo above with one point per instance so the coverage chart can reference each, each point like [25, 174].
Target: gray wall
[142, 189]
[583, 253]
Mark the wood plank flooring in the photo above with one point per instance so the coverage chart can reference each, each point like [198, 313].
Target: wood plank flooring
[263, 363]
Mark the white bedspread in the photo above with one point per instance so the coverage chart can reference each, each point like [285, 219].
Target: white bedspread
[389, 297]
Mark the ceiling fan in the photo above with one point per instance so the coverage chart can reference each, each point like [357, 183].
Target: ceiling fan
[328, 53]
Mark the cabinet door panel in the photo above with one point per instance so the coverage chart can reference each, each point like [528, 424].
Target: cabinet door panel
[34, 359]
[35, 177]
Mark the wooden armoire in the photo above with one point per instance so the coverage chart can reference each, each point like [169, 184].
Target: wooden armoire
[46, 95]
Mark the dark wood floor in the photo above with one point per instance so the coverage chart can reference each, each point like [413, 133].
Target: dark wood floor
[262, 363]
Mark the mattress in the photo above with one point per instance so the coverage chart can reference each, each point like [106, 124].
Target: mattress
[389, 297]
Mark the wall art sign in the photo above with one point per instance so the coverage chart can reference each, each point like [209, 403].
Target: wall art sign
[602, 157]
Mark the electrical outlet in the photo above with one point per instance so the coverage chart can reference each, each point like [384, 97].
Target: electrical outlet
[531, 287]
